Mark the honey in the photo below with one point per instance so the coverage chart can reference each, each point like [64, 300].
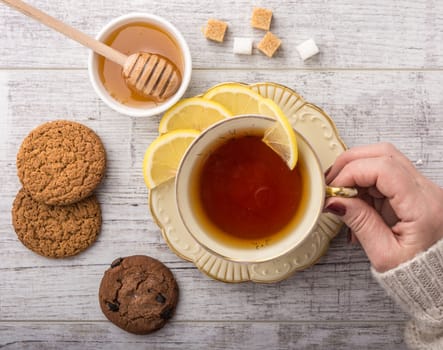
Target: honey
[129, 39]
[247, 192]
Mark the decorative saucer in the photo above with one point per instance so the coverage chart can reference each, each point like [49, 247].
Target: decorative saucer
[317, 127]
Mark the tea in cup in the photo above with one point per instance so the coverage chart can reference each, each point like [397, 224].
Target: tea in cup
[238, 198]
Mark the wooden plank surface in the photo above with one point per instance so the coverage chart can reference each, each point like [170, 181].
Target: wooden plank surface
[380, 78]
[221, 335]
[351, 34]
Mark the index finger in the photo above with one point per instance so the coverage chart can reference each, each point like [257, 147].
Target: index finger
[369, 151]
[386, 174]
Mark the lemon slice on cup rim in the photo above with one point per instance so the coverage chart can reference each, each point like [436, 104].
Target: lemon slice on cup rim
[162, 157]
[281, 136]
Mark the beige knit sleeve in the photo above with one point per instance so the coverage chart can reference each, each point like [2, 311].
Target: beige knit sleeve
[417, 287]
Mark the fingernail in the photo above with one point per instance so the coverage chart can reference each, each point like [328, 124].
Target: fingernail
[336, 209]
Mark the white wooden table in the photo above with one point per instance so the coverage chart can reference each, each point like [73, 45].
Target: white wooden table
[379, 76]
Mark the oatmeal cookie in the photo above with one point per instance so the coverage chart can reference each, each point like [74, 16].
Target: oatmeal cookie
[61, 162]
[56, 231]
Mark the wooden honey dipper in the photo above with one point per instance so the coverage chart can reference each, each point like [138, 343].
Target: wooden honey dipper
[150, 75]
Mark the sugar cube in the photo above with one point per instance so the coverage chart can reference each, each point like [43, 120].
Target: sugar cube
[215, 30]
[307, 49]
[242, 46]
[269, 44]
[261, 18]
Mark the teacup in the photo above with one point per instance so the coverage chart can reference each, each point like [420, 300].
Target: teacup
[225, 226]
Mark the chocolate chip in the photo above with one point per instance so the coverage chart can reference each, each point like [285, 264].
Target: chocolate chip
[167, 314]
[114, 306]
[116, 262]
[160, 298]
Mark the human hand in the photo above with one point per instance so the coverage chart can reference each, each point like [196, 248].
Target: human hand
[398, 212]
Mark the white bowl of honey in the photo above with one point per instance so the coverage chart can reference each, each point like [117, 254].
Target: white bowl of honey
[133, 33]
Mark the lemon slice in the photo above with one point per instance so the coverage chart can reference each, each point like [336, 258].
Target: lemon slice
[237, 98]
[164, 154]
[269, 108]
[281, 136]
[192, 113]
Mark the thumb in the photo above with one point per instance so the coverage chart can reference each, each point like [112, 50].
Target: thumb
[374, 235]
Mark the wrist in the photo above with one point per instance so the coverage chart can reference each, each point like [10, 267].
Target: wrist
[415, 284]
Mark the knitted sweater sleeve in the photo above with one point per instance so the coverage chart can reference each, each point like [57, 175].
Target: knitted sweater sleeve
[417, 287]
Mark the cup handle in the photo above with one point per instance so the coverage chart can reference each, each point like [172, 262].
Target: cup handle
[344, 192]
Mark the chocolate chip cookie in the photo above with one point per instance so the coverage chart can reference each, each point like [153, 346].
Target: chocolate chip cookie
[138, 294]
[56, 231]
[61, 162]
